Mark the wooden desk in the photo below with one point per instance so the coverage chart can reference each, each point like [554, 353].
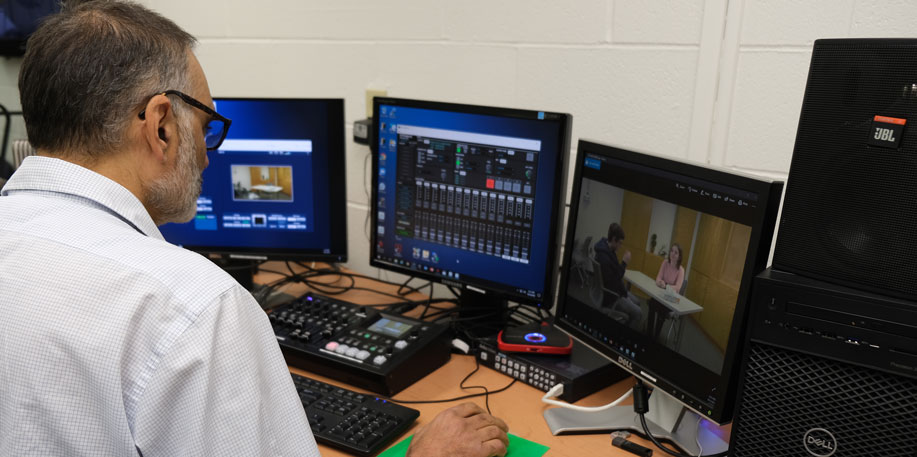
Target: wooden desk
[520, 406]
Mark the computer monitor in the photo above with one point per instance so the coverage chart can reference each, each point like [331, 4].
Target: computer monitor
[275, 189]
[469, 196]
[19, 19]
[685, 342]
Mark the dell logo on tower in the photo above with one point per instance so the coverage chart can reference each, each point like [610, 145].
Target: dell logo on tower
[820, 442]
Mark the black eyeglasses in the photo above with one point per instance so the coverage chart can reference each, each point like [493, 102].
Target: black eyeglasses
[217, 126]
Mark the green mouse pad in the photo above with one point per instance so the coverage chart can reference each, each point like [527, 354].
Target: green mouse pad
[518, 447]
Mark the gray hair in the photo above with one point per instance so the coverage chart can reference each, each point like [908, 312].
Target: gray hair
[88, 71]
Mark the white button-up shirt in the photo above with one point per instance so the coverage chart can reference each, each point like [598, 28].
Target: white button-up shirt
[114, 342]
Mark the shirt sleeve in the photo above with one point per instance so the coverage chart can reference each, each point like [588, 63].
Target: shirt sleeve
[223, 388]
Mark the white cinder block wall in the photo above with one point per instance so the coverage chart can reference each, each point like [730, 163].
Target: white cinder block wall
[716, 81]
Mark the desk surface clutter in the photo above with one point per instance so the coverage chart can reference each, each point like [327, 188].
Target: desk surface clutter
[520, 406]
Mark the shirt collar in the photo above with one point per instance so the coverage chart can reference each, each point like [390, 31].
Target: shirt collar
[48, 174]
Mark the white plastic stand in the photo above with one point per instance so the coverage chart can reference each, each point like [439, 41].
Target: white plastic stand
[667, 419]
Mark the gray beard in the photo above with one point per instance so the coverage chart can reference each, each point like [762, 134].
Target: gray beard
[174, 196]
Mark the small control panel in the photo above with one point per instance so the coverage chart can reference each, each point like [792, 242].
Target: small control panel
[582, 372]
[358, 345]
[532, 375]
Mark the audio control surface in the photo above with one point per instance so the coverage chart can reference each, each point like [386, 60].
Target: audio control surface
[363, 347]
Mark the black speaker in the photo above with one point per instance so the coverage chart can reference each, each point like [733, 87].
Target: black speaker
[822, 376]
[850, 209]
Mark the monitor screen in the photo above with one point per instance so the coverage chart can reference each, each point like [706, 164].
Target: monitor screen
[469, 196]
[662, 255]
[18, 19]
[275, 188]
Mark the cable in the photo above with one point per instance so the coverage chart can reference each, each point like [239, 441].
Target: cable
[486, 392]
[477, 366]
[641, 408]
[559, 390]
[336, 289]
[463, 397]
[332, 288]
[403, 285]
[429, 302]
[357, 275]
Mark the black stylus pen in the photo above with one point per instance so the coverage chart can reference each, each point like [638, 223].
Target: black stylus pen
[631, 447]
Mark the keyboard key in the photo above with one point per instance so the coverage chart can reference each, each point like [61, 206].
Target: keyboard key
[357, 423]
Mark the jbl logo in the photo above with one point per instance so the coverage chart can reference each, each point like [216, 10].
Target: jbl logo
[884, 134]
[886, 131]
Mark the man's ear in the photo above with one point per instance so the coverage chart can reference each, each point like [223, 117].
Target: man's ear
[159, 127]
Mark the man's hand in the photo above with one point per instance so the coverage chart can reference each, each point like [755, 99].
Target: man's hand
[626, 257]
[461, 431]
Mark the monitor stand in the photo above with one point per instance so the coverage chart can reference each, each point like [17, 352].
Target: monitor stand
[243, 271]
[667, 419]
[482, 314]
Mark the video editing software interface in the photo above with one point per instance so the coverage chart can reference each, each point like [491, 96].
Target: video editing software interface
[682, 340]
[469, 195]
[275, 186]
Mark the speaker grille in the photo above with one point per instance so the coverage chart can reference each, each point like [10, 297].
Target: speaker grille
[786, 394]
[850, 210]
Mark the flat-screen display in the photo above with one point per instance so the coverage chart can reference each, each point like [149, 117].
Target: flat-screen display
[470, 196]
[660, 261]
[275, 189]
[18, 19]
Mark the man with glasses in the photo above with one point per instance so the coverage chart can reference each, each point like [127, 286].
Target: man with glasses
[112, 341]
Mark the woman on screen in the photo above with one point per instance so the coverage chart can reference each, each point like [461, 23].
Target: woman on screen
[671, 273]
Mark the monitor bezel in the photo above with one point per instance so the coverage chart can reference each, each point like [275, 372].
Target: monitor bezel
[564, 122]
[337, 194]
[761, 239]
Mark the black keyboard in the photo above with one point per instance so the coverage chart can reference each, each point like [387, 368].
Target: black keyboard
[359, 424]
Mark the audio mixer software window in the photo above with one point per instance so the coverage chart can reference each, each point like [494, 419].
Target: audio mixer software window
[469, 191]
[460, 195]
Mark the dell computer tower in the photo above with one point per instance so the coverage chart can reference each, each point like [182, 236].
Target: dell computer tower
[829, 371]
[831, 361]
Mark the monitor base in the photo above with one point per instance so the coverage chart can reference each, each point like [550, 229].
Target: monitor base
[480, 314]
[687, 431]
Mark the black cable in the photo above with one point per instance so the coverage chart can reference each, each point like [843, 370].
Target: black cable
[357, 275]
[429, 302]
[486, 392]
[477, 366]
[403, 285]
[325, 288]
[640, 407]
[447, 400]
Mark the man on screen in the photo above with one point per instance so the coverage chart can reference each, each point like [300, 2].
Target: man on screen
[616, 296]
